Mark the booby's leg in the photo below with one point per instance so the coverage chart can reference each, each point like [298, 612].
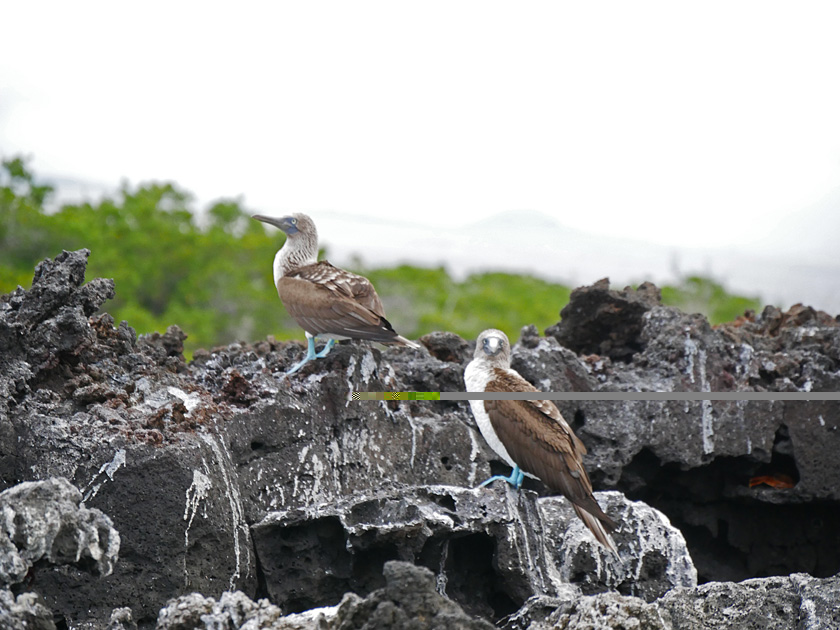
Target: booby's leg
[326, 349]
[310, 354]
[515, 479]
[520, 477]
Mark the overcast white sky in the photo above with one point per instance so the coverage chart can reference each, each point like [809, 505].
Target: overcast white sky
[710, 123]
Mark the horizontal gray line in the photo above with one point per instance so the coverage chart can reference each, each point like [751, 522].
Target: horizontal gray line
[640, 396]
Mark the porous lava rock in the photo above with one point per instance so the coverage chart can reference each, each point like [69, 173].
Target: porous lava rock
[776, 603]
[121, 420]
[44, 522]
[195, 463]
[573, 611]
[408, 599]
[45, 528]
[491, 548]
[605, 322]
[233, 610]
[27, 611]
[753, 485]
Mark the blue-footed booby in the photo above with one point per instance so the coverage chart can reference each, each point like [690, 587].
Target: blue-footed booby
[531, 435]
[324, 300]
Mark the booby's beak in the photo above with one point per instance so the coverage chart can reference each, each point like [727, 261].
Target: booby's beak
[492, 346]
[287, 224]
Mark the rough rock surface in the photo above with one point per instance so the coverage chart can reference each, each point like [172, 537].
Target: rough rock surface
[43, 522]
[491, 549]
[122, 619]
[234, 610]
[111, 413]
[605, 611]
[24, 612]
[795, 602]
[695, 461]
[778, 603]
[189, 459]
[407, 600]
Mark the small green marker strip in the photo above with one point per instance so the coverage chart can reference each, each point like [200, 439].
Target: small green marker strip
[617, 396]
[395, 396]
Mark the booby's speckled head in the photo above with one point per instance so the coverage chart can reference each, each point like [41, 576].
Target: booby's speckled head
[493, 346]
[301, 246]
[297, 223]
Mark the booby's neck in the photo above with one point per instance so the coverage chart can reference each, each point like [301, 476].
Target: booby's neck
[476, 375]
[299, 249]
[479, 372]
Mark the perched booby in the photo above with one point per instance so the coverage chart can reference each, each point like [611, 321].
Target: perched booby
[324, 300]
[531, 435]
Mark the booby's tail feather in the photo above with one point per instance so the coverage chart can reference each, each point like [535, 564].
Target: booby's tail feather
[407, 342]
[597, 528]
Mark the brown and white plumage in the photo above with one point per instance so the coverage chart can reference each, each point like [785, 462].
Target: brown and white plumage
[323, 299]
[532, 435]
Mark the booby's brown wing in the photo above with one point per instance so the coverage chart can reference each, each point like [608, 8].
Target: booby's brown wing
[342, 282]
[324, 299]
[541, 442]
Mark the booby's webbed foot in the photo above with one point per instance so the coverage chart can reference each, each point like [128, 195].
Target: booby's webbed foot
[310, 354]
[515, 479]
[326, 349]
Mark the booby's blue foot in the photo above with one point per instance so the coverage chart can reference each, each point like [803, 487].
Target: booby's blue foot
[311, 354]
[326, 349]
[299, 365]
[515, 479]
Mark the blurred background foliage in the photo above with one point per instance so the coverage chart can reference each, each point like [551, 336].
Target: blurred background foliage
[213, 278]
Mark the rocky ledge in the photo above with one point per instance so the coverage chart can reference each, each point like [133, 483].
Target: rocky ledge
[246, 499]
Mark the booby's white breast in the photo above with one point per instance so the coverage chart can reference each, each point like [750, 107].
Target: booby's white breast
[476, 377]
[278, 266]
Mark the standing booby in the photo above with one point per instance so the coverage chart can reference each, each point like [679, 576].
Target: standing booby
[324, 300]
[531, 435]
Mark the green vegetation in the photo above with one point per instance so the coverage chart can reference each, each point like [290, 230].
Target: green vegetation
[420, 300]
[214, 279]
[702, 295]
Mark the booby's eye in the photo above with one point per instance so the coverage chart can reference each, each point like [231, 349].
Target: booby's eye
[492, 345]
[294, 220]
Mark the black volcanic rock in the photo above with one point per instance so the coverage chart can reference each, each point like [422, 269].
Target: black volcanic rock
[607, 323]
[232, 611]
[408, 600]
[447, 347]
[46, 528]
[475, 541]
[777, 603]
[224, 474]
[92, 404]
[43, 522]
[605, 611]
[695, 460]
[24, 612]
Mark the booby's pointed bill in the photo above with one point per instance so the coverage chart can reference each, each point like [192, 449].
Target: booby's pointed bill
[532, 434]
[324, 300]
[287, 224]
